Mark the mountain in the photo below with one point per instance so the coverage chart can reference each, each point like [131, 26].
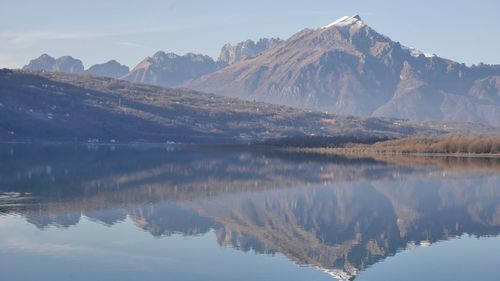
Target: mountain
[230, 54]
[112, 69]
[66, 107]
[347, 67]
[164, 69]
[43, 63]
[171, 69]
[66, 64]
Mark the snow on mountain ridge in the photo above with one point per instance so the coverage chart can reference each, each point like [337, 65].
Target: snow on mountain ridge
[345, 21]
[416, 52]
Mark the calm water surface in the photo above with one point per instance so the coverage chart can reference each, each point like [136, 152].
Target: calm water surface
[193, 213]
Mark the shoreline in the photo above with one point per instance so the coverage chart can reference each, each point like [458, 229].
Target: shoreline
[312, 150]
[344, 151]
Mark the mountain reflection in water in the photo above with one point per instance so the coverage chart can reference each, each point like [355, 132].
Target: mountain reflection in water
[335, 213]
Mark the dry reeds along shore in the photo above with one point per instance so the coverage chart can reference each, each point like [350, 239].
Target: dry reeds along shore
[467, 144]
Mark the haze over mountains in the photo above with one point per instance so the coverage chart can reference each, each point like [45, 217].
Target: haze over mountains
[230, 54]
[112, 69]
[345, 67]
[171, 70]
[68, 64]
[163, 69]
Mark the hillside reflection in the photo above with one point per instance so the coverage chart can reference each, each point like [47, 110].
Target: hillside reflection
[338, 214]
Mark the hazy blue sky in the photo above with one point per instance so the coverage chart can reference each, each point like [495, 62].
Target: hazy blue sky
[98, 30]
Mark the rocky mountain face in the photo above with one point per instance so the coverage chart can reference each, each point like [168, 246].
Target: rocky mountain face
[42, 63]
[112, 69]
[171, 69]
[347, 67]
[230, 54]
[66, 64]
[164, 69]
[70, 65]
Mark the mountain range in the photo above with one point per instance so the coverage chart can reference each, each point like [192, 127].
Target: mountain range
[345, 67]
[163, 69]
[68, 107]
[68, 64]
[172, 70]
[55, 106]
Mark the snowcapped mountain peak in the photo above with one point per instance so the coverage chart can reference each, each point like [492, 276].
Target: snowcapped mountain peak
[346, 21]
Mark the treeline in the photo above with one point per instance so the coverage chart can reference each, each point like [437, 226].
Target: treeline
[323, 141]
[444, 144]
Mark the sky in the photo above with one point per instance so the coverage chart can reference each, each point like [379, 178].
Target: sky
[96, 31]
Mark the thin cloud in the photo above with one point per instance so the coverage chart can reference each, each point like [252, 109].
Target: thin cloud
[133, 45]
[30, 37]
[19, 38]
[61, 249]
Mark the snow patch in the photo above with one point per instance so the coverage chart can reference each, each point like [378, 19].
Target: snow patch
[345, 21]
[338, 274]
[416, 53]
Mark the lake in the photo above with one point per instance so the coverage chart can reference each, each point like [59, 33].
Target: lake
[71, 212]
